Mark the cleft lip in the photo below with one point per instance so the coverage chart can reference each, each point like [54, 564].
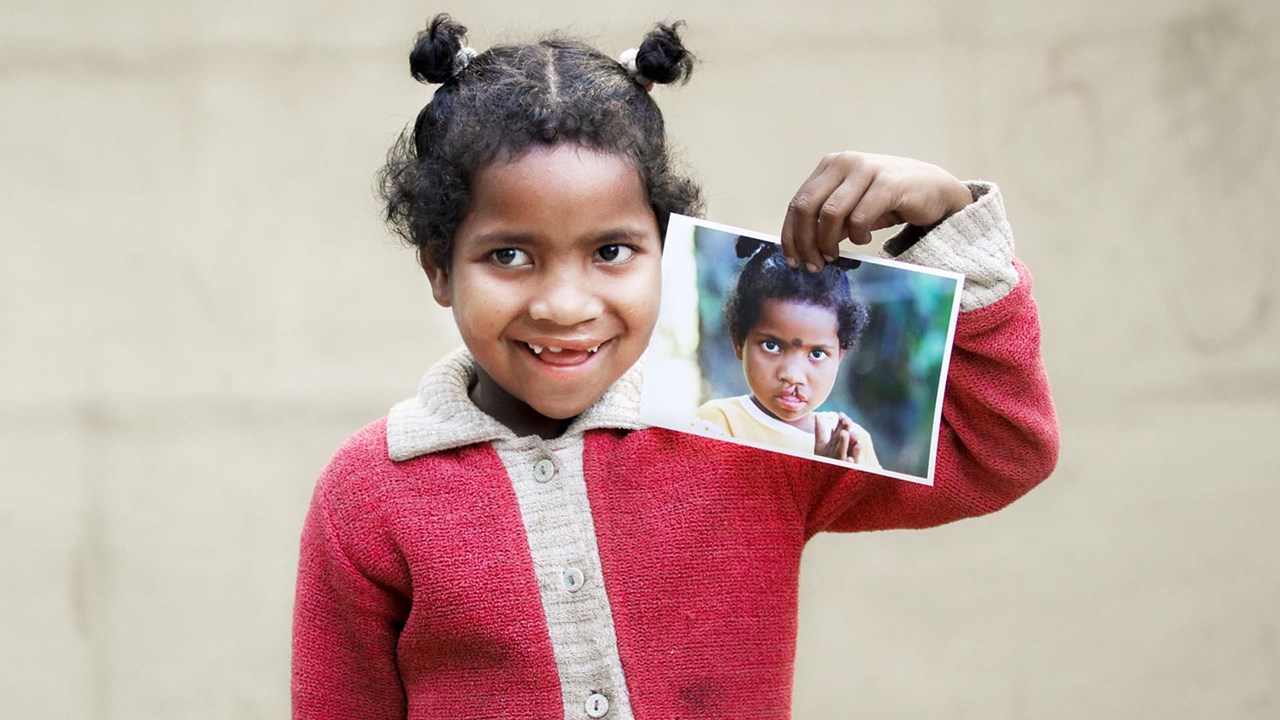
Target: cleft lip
[793, 396]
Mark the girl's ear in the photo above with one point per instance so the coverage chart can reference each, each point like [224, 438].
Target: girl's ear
[737, 349]
[438, 277]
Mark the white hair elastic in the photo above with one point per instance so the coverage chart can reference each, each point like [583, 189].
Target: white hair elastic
[628, 60]
[462, 60]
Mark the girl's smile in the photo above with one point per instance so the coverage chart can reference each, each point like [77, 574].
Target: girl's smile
[554, 282]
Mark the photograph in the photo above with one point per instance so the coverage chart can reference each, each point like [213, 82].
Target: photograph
[846, 365]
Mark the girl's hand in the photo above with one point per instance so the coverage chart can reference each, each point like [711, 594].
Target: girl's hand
[850, 194]
[836, 440]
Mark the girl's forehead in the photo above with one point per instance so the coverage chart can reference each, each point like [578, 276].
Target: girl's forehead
[800, 319]
[559, 190]
[565, 158]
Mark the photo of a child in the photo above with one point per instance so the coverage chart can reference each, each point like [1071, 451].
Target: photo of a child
[791, 329]
[844, 365]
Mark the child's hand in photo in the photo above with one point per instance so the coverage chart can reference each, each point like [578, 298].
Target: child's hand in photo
[850, 194]
[834, 437]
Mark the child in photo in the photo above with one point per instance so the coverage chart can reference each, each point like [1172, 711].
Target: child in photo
[511, 541]
[791, 329]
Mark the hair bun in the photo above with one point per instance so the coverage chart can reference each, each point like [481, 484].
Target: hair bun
[746, 247]
[435, 50]
[662, 57]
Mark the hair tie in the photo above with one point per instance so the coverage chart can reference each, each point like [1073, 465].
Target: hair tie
[463, 59]
[628, 60]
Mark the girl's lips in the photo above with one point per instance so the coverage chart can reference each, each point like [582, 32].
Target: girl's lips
[790, 401]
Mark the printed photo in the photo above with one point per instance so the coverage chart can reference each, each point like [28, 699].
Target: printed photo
[846, 365]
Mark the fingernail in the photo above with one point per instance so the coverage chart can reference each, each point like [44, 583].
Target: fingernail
[829, 258]
[793, 263]
[811, 267]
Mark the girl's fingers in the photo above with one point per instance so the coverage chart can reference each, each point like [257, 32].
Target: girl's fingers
[821, 433]
[822, 437]
[855, 448]
[835, 210]
[843, 430]
[875, 210]
[842, 451]
[800, 227]
[791, 223]
[850, 440]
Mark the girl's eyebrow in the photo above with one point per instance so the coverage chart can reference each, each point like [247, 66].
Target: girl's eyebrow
[618, 234]
[504, 237]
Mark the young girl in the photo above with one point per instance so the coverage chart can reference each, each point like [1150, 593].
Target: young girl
[791, 329]
[511, 542]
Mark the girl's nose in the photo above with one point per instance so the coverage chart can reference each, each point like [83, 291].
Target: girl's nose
[566, 299]
[789, 372]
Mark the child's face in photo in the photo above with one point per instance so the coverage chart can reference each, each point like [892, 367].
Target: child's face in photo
[555, 279]
[790, 358]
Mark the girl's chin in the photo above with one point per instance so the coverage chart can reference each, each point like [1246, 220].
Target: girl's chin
[789, 416]
[560, 411]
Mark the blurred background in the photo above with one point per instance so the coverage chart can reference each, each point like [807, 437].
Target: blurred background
[198, 303]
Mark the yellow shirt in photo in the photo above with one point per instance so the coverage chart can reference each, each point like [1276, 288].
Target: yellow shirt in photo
[739, 417]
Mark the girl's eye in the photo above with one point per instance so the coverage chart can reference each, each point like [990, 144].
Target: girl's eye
[510, 257]
[770, 346]
[818, 354]
[615, 254]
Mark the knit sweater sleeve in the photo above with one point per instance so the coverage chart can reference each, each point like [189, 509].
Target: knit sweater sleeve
[999, 434]
[350, 602]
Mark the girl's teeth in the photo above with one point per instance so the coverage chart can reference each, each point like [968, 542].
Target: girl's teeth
[537, 349]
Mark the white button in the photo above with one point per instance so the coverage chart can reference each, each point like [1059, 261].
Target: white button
[597, 705]
[572, 578]
[544, 470]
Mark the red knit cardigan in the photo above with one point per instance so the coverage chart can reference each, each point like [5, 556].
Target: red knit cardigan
[416, 593]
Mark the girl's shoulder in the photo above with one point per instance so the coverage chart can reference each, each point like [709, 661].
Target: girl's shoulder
[366, 446]
[363, 466]
[358, 466]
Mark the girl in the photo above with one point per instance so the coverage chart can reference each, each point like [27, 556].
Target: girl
[791, 329]
[511, 542]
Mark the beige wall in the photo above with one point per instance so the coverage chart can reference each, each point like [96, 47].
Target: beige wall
[198, 303]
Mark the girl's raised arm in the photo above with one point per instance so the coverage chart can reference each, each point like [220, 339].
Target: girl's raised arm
[999, 433]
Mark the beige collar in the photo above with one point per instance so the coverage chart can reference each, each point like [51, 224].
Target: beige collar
[442, 416]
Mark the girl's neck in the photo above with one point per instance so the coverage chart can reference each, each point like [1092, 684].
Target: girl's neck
[502, 406]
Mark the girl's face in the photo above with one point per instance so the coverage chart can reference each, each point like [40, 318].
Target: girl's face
[790, 358]
[554, 282]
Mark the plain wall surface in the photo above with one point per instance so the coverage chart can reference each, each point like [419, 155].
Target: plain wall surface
[199, 302]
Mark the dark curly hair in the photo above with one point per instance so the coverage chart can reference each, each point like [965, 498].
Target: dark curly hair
[766, 275]
[512, 98]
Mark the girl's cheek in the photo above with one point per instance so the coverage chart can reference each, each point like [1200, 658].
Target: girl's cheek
[643, 303]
